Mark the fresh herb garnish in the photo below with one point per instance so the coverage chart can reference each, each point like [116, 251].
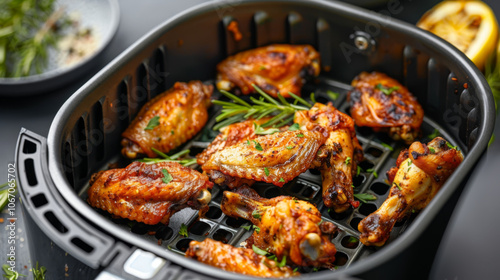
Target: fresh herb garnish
[289, 147]
[281, 180]
[358, 170]
[259, 251]
[282, 262]
[256, 228]
[333, 95]
[166, 176]
[173, 158]
[4, 194]
[294, 127]
[300, 135]
[431, 149]
[434, 134]
[387, 146]
[312, 97]
[266, 171]
[451, 146]
[364, 197]
[261, 131]
[386, 90]
[9, 274]
[258, 147]
[295, 269]
[409, 162]
[39, 273]
[347, 161]
[172, 132]
[247, 227]
[397, 185]
[256, 214]
[183, 230]
[153, 122]
[282, 111]
[372, 171]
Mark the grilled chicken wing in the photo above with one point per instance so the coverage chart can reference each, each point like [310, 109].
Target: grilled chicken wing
[287, 227]
[336, 159]
[275, 158]
[382, 103]
[421, 172]
[240, 260]
[275, 69]
[149, 193]
[168, 120]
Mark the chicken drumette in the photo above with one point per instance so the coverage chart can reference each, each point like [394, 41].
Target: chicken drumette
[240, 260]
[149, 193]
[275, 69]
[168, 120]
[287, 227]
[382, 103]
[338, 157]
[421, 171]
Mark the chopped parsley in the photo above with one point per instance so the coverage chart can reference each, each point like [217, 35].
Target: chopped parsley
[386, 90]
[300, 135]
[166, 176]
[431, 149]
[258, 147]
[256, 214]
[289, 147]
[266, 171]
[387, 146]
[294, 127]
[153, 122]
[347, 161]
[281, 180]
[183, 230]
[259, 251]
[333, 95]
[256, 228]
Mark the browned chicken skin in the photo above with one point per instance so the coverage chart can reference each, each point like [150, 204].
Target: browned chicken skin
[275, 69]
[179, 114]
[139, 192]
[382, 103]
[240, 260]
[420, 173]
[336, 159]
[277, 158]
[287, 227]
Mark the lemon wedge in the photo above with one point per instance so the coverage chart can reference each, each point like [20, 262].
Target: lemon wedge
[470, 26]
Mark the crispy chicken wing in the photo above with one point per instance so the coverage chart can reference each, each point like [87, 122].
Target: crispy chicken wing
[421, 172]
[276, 158]
[149, 193]
[287, 227]
[240, 260]
[382, 103]
[168, 120]
[275, 69]
[336, 159]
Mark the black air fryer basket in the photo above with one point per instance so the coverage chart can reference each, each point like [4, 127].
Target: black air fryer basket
[85, 135]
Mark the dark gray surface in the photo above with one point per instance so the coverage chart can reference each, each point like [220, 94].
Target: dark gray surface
[468, 250]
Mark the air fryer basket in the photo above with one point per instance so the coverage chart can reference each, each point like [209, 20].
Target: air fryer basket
[85, 134]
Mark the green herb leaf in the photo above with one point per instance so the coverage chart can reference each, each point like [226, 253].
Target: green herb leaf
[256, 214]
[409, 162]
[172, 132]
[451, 146]
[300, 135]
[364, 197]
[247, 227]
[397, 185]
[39, 273]
[272, 257]
[332, 95]
[312, 97]
[387, 146]
[282, 263]
[371, 170]
[258, 147]
[316, 269]
[266, 171]
[434, 134]
[385, 90]
[183, 230]
[259, 251]
[289, 147]
[347, 161]
[295, 269]
[294, 127]
[166, 176]
[153, 122]
[261, 131]
[431, 149]
[256, 228]
[281, 180]
[358, 170]
[9, 274]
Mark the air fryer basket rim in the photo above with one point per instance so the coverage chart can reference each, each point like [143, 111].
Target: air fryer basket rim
[54, 139]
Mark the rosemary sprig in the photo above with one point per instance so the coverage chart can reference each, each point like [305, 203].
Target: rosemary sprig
[173, 158]
[238, 110]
